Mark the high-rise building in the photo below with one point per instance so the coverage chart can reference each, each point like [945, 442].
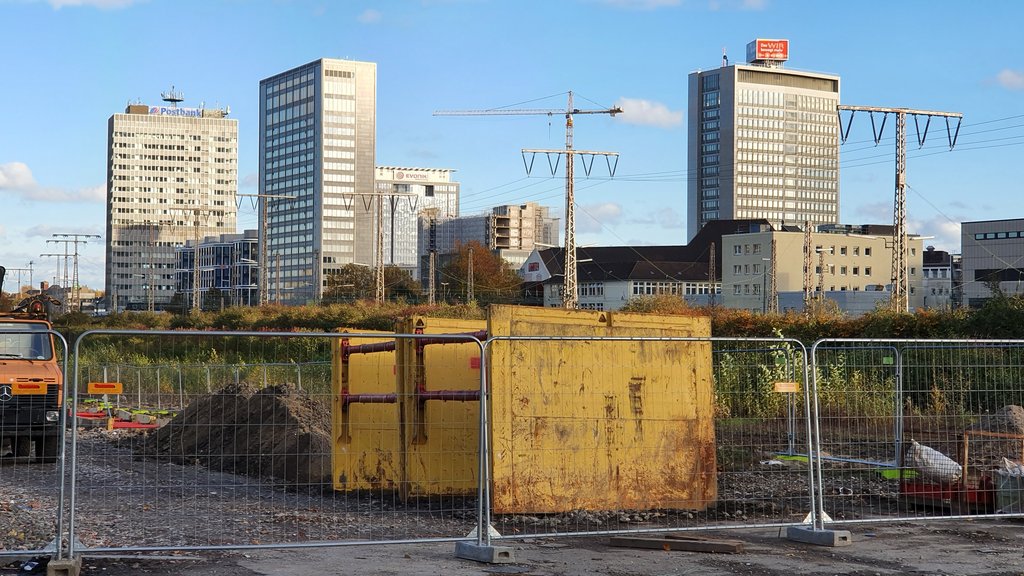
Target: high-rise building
[317, 150]
[172, 176]
[408, 194]
[763, 142]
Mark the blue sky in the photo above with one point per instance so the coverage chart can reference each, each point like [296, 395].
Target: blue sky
[69, 64]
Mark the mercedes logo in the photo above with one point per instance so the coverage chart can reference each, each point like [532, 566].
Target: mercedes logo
[6, 395]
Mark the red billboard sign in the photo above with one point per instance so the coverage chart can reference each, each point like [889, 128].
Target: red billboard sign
[768, 49]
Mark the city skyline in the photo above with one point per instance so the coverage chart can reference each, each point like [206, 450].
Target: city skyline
[73, 63]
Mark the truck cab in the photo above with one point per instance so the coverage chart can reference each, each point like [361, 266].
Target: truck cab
[31, 382]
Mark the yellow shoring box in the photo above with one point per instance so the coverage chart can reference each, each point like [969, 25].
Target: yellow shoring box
[600, 425]
[366, 435]
[441, 436]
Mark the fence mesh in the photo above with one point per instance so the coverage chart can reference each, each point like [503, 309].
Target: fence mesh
[246, 453]
[221, 440]
[31, 440]
[919, 429]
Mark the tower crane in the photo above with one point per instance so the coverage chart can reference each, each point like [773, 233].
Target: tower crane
[570, 296]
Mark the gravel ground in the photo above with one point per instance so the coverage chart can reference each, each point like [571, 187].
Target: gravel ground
[127, 501]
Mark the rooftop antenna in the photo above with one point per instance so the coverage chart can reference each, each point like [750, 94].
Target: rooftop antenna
[725, 59]
[172, 96]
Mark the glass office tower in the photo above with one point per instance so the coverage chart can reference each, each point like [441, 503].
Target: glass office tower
[317, 153]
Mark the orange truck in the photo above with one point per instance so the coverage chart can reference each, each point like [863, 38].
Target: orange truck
[31, 381]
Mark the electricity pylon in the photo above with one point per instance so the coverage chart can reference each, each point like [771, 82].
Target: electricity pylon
[570, 297]
[900, 298]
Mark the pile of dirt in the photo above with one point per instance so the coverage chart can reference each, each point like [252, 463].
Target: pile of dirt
[989, 452]
[275, 432]
[1007, 420]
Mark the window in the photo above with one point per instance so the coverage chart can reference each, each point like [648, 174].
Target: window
[842, 250]
[737, 289]
[856, 270]
[913, 271]
[737, 250]
[867, 270]
[856, 250]
[867, 251]
[757, 248]
[842, 270]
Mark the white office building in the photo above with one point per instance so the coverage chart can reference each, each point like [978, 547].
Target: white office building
[172, 176]
[406, 195]
[763, 142]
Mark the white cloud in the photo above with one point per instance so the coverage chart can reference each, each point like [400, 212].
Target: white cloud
[875, 212]
[370, 16]
[250, 180]
[594, 217]
[642, 4]
[17, 178]
[664, 217]
[944, 234]
[669, 218]
[648, 113]
[102, 4]
[1011, 79]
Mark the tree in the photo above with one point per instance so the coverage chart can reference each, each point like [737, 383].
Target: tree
[354, 282]
[494, 280]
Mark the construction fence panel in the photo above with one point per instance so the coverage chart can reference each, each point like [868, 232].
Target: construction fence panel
[168, 387]
[625, 434]
[919, 429]
[33, 373]
[248, 458]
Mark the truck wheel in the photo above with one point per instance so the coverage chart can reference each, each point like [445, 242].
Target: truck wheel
[48, 448]
[22, 446]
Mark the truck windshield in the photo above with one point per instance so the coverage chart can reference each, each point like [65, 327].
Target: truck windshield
[24, 340]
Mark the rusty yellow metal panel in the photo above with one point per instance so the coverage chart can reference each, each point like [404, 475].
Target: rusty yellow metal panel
[366, 435]
[441, 436]
[600, 425]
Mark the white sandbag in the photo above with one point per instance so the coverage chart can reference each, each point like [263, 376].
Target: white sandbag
[932, 465]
